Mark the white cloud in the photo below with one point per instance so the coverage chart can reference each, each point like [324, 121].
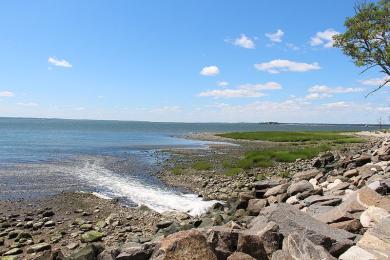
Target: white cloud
[59, 63]
[374, 81]
[292, 46]
[243, 91]
[276, 36]
[337, 105]
[244, 42]
[277, 66]
[28, 104]
[6, 94]
[210, 71]
[166, 109]
[324, 38]
[322, 91]
[222, 83]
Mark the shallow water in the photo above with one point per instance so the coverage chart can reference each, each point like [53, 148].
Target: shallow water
[41, 157]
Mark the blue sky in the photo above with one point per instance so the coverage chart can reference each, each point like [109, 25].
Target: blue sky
[190, 61]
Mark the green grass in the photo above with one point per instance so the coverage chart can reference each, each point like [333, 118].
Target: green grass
[267, 158]
[278, 136]
[202, 166]
[233, 171]
[177, 170]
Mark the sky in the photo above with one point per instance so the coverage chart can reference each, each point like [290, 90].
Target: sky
[183, 61]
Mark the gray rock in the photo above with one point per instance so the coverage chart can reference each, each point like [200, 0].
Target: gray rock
[305, 175]
[355, 253]
[223, 240]
[240, 256]
[260, 241]
[255, 205]
[89, 252]
[282, 188]
[38, 248]
[299, 187]
[322, 200]
[290, 220]
[136, 252]
[299, 247]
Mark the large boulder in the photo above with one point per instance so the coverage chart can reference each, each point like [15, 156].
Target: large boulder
[88, 252]
[296, 246]
[223, 240]
[189, 244]
[255, 205]
[260, 241]
[290, 220]
[376, 240]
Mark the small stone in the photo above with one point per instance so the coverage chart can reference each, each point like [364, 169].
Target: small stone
[91, 236]
[14, 251]
[38, 248]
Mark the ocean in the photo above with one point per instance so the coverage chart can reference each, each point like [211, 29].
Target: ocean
[115, 159]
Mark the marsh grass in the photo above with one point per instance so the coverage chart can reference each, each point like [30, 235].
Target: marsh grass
[202, 166]
[336, 137]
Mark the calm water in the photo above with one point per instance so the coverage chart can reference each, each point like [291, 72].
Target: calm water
[41, 157]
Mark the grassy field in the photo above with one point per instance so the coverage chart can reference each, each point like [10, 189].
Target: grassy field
[334, 137]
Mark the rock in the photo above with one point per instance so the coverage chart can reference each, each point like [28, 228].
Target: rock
[223, 240]
[49, 223]
[189, 244]
[290, 220]
[261, 187]
[297, 246]
[356, 253]
[88, 252]
[136, 252]
[324, 160]
[13, 251]
[14, 233]
[352, 225]
[260, 241]
[91, 236]
[299, 187]
[322, 200]
[72, 246]
[376, 240]
[356, 202]
[373, 216]
[10, 257]
[86, 227]
[255, 205]
[305, 175]
[48, 213]
[351, 173]
[23, 235]
[37, 225]
[164, 224]
[279, 189]
[38, 248]
[240, 256]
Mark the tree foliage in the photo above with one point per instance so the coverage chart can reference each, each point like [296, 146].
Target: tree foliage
[367, 38]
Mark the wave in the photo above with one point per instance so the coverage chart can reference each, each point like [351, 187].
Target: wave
[156, 197]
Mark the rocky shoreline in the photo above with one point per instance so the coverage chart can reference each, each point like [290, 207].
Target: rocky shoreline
[334, 206]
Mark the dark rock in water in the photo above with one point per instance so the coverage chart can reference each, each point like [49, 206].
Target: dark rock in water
[296, 246]
[289, 219]
[260, 241]
[189, 244]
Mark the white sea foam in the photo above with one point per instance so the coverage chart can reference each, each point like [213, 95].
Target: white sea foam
[111, 184]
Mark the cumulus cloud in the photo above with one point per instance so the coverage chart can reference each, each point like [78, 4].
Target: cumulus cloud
[374, 81]
[277, 66]
[322, 91]
[244, 42]
[210, 71]
[59, 63]
[276, 36]
[242, 91]
[324, 38]
[222, 83]
[6, 94]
